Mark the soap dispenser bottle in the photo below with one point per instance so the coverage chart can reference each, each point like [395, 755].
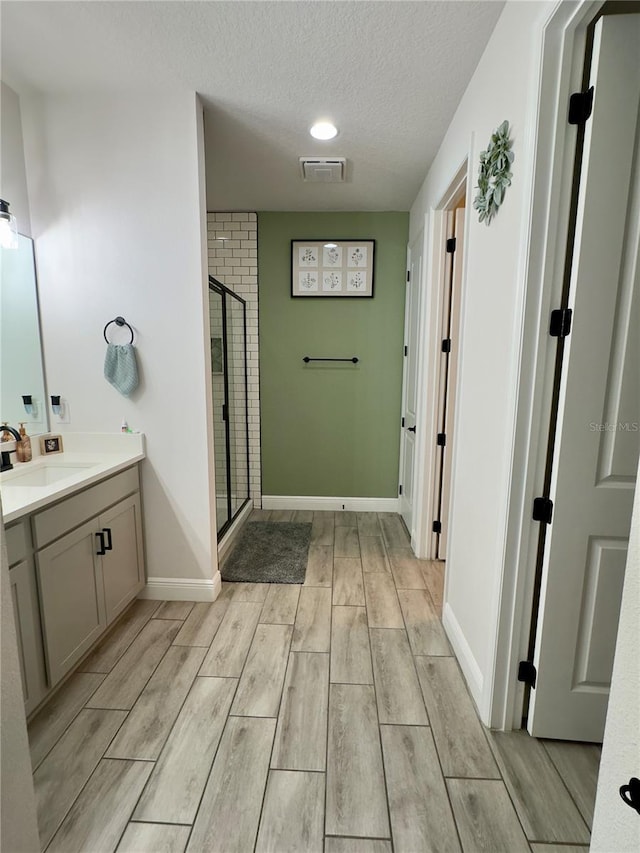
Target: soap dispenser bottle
[23, 447]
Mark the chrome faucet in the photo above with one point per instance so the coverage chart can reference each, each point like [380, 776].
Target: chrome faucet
[5, 459]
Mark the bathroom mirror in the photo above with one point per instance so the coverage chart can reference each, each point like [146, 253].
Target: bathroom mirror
[21, 365]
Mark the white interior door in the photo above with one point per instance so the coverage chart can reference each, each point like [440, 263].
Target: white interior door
[597, 444]
[410, 381]
[452, 332]
[443, 372]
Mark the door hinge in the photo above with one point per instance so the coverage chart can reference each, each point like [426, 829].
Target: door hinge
[408, 275]
[527, 673]
[542, 510]
[580, 106]
[399, 490]
[441, 440]
[451, 245]
[446, 345]
[437, 527]
[403, 422]
[630, 793]
[406, 350]
[560, 324]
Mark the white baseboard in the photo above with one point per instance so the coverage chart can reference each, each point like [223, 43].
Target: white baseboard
[324, 503]
[463, 653]
[182, 589]
[229, 538]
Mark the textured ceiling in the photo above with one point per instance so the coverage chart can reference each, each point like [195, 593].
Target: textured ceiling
[389, 74]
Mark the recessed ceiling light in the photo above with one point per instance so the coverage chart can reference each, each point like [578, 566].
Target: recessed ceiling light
[324, 130]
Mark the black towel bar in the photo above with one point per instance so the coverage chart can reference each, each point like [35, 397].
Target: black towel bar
[308, 358]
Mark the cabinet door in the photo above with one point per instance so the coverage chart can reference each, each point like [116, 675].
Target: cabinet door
[72, 598]
[29, 634]
[123, 565]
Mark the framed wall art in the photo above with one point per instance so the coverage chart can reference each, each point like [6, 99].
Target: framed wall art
[332, 268]
[50, 444]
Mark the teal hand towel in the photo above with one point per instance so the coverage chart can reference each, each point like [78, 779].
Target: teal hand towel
[120, 368]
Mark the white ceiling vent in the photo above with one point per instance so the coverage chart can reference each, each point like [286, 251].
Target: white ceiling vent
[323, 170]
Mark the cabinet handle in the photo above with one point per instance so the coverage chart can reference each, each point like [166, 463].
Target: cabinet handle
[102, 550]
[109, 545]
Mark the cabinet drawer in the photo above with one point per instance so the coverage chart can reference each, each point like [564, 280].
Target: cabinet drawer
[71, 512]
[18, 542]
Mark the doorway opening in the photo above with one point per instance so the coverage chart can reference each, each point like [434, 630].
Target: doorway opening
[433, 333]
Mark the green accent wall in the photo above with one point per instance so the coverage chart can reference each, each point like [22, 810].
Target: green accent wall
[331, 429]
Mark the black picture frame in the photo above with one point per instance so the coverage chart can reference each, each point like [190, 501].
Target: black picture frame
[50, 444]
[334, 281]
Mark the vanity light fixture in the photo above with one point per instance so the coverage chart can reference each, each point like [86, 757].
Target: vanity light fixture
[330, 246]
[8, 227]
[324, 130]
[56, 405]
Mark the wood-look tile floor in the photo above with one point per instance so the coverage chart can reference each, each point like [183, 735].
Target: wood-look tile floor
[329, 716]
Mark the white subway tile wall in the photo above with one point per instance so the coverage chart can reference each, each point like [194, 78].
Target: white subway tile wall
[233, 259]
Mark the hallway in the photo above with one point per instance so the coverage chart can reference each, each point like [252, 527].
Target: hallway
[290, 718]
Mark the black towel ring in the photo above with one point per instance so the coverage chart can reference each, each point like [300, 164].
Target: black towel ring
[119, 321]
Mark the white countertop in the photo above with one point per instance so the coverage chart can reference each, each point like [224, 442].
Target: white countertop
[98, 455]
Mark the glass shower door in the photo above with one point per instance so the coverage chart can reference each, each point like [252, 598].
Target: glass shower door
[216, 320]
[237, 387]
[230, 413]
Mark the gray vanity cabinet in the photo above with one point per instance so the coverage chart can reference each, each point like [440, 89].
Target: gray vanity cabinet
[90, 565]
[72, 598]
[122, 566]
[29, 635]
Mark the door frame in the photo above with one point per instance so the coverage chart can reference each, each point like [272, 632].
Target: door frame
[451, 283]
[563, 45]
[423, 541]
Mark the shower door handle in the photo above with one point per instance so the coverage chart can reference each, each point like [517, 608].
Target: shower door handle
[224, 412]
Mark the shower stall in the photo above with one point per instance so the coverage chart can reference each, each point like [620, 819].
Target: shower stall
[228, 324]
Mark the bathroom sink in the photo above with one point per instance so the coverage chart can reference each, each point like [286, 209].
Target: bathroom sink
[45, 475]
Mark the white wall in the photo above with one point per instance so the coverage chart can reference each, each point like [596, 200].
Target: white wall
[615, 825]
[13, 179]
[504, 86]
[118, 215]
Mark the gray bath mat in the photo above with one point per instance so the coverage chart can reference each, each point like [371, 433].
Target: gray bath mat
[269, 552]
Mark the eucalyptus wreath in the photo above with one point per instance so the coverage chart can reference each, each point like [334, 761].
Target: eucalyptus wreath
[494, 175]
